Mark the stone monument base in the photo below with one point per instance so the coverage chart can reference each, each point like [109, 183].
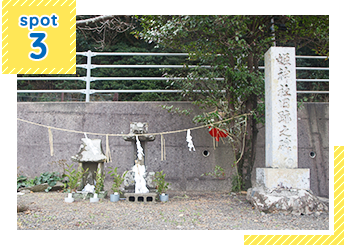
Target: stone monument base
[297, 178]
[141, 197]
[295, 201]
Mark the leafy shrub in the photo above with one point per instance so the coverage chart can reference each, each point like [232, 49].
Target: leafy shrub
[74, 178]
[161, 184]
[99, 185]
[117, 179]
[47, 177]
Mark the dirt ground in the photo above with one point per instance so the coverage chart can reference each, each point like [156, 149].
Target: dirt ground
[184, 211]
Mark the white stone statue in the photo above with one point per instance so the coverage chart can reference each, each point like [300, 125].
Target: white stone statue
[189, 141]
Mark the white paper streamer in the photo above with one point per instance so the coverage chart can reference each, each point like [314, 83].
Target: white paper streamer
[140, 183]
[139, 149]
[189, 141]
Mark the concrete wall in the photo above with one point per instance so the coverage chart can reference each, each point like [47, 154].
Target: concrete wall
[183, 168]
[313, 136]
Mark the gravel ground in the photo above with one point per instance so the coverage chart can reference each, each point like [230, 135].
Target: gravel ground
[184, 211]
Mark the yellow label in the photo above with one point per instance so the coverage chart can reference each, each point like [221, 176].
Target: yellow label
[39, 37]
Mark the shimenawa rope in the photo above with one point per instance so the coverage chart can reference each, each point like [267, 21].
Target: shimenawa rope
[108, 153]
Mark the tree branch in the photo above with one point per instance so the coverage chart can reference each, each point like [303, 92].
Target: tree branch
[93, 20]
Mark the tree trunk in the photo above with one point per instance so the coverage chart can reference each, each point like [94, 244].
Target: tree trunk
[246, 164]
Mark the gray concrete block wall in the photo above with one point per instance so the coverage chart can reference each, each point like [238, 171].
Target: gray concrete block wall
[183, 168]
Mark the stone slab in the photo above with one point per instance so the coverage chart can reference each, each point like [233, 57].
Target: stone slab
[138, 128]
[295, 201]
[148, 137]
[288, 178]
[36, 188]
[281, 108]
[141, 197]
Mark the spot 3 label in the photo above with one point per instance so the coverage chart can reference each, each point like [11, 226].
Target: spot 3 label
[33, 21]
[39, 37]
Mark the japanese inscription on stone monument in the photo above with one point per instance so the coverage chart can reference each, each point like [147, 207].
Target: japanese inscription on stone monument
[284, 94]
[281, 108]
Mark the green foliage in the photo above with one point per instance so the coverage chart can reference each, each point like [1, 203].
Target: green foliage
[161, 184]
[112, 41]
[310, 31]
[74, 178]
[99, 186]
[176, 110]
[234, 47]
[118, 179]
[218, 172]
[236, 183]
[49, 178]
[23, 181]
[231, 42]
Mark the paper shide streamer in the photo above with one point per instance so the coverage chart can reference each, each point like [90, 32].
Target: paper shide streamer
[107, 150]
[163, 148]
[50, 139]
[189, 141]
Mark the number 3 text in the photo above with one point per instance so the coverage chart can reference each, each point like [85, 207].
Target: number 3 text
[38, 43]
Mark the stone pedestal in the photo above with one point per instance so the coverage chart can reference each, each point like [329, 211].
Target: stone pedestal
[295, 201]
[287, 178]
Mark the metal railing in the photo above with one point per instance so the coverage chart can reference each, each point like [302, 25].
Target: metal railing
[89, 66]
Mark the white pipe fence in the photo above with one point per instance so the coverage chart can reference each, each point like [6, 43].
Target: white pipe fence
[89, 66]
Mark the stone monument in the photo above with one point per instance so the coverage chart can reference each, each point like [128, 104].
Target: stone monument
[281, 185]
[139, 135]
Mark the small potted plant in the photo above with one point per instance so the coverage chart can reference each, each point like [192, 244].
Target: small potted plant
[161, 186]
[118, 180]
